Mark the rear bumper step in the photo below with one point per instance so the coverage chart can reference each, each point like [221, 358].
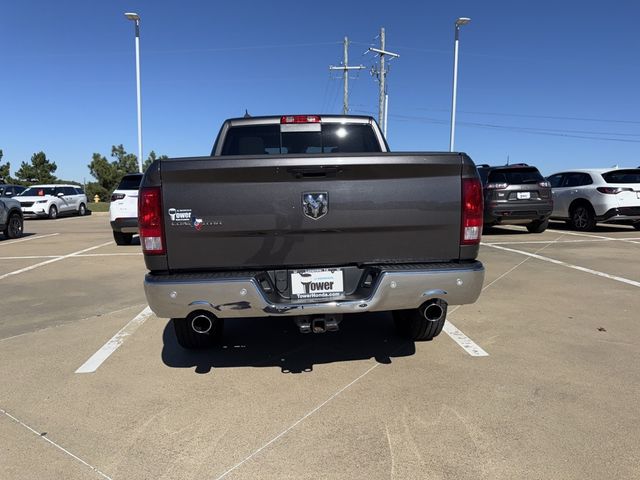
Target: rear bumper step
[240, 295]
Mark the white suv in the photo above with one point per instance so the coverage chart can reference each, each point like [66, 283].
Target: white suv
[52, 200]
[123, 209]
[584, 197]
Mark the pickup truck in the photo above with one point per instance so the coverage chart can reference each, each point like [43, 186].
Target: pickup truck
[310, 217]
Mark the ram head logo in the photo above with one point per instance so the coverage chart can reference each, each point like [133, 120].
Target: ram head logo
[315, 204]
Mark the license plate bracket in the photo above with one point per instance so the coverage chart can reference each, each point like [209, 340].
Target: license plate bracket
[317, 283]
[523, 195]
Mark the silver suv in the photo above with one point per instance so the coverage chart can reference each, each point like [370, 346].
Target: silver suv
[52, 200]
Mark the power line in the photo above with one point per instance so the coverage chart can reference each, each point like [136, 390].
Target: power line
[532, 131]
[546, 117]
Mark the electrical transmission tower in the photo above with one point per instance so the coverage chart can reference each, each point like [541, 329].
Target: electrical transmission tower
[345, 75]
[381, 73]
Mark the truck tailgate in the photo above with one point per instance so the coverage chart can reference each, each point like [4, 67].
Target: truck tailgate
[246, 212]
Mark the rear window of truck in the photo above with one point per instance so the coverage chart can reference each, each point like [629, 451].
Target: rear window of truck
[622, 176]
[273, 140]
[515, 176]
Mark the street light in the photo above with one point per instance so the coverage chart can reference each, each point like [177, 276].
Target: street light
[459, 22]
[136, 19]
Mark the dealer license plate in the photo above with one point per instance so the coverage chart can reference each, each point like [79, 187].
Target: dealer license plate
[317, 283]
[524, 195]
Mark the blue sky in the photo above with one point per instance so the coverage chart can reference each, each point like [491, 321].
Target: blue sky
[535, 77]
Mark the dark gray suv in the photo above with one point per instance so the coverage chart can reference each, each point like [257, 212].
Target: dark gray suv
[516, 195]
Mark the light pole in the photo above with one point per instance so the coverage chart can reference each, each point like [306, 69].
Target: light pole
[459, 22]
[136, 19]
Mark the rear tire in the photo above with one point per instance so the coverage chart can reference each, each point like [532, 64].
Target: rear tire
[582, 218]
[122, 238]
[538, 226]
[53, 212]
[191, 340]
[15, 226]
[412, 324]
[82, 210]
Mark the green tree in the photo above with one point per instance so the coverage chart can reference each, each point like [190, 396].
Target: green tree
[150, 159]
[5, 170]
[125, 162]
[109, 173]
[40, 169]
[105, 172]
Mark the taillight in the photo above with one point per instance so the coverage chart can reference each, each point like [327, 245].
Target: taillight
[544, 184]
[117, 196]
[300, 119]
[496, 186]
[150, 221]
[472, 212]
[613, 190]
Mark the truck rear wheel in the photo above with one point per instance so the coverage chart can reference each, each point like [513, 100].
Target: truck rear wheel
[192, 335]
[421, 324]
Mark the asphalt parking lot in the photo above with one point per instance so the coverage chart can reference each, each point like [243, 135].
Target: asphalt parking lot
[539, 379]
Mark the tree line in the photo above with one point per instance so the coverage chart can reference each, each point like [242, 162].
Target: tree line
[107, 173]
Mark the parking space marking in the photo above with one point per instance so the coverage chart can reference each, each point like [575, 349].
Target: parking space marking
[63, 324]
[621, 239]
[98, 358]
[28, 239]
[569, 265]
[300, 420]
[57, 259]
[562, 241]
[34, 257]
[469, 346]
[59, 447]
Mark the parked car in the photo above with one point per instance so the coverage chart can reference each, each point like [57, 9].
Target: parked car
[52, 200]
[123, 209]
[11, 221]
[516, 194]
[587, 196]
[7, 190]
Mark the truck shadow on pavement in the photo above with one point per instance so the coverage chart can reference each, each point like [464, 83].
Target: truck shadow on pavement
[276, 342]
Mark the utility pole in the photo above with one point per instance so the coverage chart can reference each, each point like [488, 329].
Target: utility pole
[345, 75]
[381, 73]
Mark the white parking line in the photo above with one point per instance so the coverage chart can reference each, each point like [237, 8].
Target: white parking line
[32, 257]
[28, 239]
[301, 419]
[116, 341]
[469, 346]
[569, 265]
[46, 439]
[621, 239]
[47, 262]
[562, 241]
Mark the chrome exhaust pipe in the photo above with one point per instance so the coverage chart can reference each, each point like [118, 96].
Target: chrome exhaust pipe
[434, 310]
[202, 323]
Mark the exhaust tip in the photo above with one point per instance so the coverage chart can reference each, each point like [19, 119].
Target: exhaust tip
[435, 310]
[201, 324]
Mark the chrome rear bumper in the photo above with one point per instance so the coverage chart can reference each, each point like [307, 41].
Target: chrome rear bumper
[240, 295]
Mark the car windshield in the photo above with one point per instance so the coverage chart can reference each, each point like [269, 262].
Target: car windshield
[37, 191]
[622, 176]
[515, 176]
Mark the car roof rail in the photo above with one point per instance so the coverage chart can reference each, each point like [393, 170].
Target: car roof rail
[483, 165]
[517, 165]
